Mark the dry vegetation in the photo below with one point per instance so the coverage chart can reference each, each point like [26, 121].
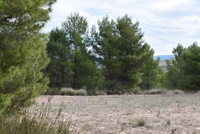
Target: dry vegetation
[128, 114]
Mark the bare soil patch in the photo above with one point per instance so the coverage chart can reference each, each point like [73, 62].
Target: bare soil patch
[120, 114]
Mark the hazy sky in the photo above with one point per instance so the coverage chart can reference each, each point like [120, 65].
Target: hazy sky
[165, 23]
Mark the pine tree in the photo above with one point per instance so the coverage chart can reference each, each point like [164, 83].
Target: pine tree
[174, 76]
[152, 73]
[22, 52]
[107, 51]
[59, 68]
[191, 68]
[83, 68]
[133, 53]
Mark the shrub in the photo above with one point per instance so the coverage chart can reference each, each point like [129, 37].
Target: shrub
[173, 130]
[141, 122]
[52, 91]
[101, 93]
[70, 91]
[67, 91]
[176, 91]
[155, 91]
[168, 122]
[81, 92]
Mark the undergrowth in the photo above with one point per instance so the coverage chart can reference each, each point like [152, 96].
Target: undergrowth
[34, 122]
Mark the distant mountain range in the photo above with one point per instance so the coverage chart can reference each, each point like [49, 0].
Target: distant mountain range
[163, 57]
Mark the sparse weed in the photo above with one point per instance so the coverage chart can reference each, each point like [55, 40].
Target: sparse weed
[158, 114]
[52, 91]
[32, 123]
[168, 122]
[87, 127]
[194, 132]
[176, 91]
[122, 128]
[141, 122]
[173, 130]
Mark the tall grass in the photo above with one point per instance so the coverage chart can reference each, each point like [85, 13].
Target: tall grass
[30, 125]
[33, 122]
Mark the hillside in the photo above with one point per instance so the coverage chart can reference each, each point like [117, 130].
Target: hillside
[163, 57]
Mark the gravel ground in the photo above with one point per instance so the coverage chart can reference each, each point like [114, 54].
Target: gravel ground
[116, 114]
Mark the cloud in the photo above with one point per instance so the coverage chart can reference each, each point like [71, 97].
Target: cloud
[165, 23]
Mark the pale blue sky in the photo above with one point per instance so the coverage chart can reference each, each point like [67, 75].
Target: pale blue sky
[165, 23]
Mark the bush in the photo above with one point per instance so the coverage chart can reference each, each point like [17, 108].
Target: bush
[52, 91]
[141, 122]
[67, 91]
[96, 91]
[168, 122]
[173, 130]
[176, 91]
[155, 91]
[70, 91]
[81, 92]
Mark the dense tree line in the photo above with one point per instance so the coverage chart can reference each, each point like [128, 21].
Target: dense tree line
[113, 57]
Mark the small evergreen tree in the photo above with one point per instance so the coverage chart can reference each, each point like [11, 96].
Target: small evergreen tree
[122, 53]
[191, 68]
[59, 68]
[174, 76]
[22, 52]
[152, 74]
[84, 71]
[132, 53]
[107, 51]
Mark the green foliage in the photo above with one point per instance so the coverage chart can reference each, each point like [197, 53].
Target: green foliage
[174, 75]
[191, 68]
[22, 52]
[58, 51]
[72, 63]
[184, 71]
[152, 75]
[52, 91]
[122, 52]
[173, 130]
[168, 122]
[106, 48]
[134, 52]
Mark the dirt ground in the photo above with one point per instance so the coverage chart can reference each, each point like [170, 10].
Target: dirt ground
[163, 114]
